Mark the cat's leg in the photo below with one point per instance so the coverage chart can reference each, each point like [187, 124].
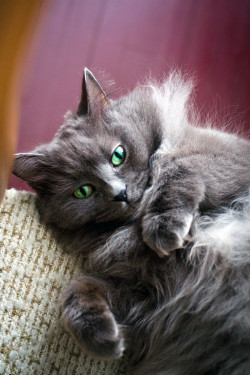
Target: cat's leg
[88, 318]
[169, 206]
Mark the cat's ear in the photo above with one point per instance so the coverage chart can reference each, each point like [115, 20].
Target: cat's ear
[93, 98]
[29, 167]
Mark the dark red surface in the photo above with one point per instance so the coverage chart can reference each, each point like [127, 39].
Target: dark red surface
[128, 40]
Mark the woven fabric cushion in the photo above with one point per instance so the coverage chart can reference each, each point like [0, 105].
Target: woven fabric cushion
[34, 270]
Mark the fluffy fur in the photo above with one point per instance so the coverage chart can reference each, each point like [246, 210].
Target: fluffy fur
[188, 312]
[167, 277]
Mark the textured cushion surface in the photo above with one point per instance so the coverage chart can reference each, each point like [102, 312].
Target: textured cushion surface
[34, 270]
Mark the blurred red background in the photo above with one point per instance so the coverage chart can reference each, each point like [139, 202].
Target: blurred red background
[128, 40]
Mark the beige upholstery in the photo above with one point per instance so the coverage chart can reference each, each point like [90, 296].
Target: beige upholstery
[33, 272]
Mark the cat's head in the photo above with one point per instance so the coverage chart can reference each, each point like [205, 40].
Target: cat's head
[97, 166]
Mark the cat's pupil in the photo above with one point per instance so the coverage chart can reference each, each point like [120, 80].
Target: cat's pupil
[83, 191]
[118, 155]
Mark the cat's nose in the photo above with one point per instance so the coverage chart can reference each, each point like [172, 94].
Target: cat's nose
[122, 196]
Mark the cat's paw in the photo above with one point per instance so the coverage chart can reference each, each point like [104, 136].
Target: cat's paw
[166, 232]
[88, 318]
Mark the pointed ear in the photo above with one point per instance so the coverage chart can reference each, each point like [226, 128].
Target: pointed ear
[27, 166]
[93, 99]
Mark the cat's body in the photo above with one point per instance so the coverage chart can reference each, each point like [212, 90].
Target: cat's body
[175, 186]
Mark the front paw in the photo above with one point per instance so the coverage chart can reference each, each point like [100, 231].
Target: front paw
[166, 232]
[88, 318]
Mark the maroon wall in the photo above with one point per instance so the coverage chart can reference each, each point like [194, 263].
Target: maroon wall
[129, 40]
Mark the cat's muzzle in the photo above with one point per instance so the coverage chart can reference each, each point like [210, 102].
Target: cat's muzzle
[122, 196]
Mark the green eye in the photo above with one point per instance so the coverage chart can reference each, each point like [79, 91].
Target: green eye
[118, 156]
[83, 191]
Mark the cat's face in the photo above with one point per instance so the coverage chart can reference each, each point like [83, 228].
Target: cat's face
[97, 166]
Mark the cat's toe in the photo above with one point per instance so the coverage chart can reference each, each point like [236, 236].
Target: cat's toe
[165, 233]
[93, 326]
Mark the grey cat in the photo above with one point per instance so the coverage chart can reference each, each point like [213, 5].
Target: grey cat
[159, 207]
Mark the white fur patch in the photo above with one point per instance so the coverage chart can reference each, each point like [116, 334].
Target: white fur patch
[172, 100]
[227, 234]
[115, 184]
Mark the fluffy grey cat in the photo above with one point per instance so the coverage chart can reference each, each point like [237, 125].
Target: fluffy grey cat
[160, 209]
